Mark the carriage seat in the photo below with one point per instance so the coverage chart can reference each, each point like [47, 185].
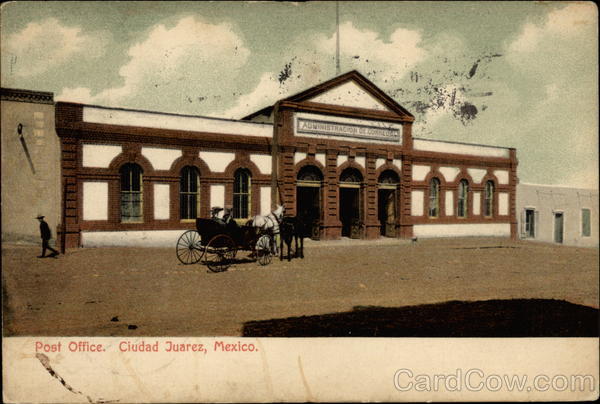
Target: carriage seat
[228, 222]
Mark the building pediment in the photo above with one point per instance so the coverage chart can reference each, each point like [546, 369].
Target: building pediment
[349, 93]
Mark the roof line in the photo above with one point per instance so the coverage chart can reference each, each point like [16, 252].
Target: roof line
[465, 143]
[262, 111]
[558, 186]
[166, 113]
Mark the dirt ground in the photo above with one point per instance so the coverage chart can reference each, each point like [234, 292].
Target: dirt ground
[146, 291]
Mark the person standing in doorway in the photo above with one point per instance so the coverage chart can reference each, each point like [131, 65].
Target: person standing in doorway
[46, 235]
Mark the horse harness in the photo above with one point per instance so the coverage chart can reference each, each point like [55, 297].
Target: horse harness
[276, 222]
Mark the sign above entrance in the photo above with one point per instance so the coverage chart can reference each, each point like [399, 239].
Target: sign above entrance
[349, 129]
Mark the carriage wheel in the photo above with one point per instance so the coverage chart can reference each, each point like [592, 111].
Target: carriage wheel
[189, 249]
[263, 248]
[219, 253]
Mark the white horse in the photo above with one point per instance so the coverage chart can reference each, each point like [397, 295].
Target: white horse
[269, 223]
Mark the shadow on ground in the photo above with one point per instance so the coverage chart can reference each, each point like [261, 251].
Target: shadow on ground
[490, 318]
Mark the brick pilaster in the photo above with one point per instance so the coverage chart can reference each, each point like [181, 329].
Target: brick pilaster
[332, 227]
[70, 195]
[287, 181]
[513, 181]
[406, 226]
[372, 224]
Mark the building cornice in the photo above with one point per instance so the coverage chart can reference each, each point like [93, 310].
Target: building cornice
[34, 97]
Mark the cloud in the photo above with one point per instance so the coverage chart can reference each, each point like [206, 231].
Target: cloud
[573, 18]
[77, 94]
[191, 62]
[267, 90]
[563, 23]
[46, 44]
[365, 48]
[555, 68]
[311, 60]
[527, 40]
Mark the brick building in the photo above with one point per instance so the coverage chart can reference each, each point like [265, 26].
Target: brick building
[341, 154]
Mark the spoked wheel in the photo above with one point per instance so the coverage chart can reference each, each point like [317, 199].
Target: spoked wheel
[263, 249]
[219, 253]
[189, 249]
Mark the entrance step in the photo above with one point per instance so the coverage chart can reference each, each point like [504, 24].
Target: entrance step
[345, 241]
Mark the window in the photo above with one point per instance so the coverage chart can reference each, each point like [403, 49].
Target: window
[188, 193]
[351, 176]
[388, 177]
[586, 223]
[463, 192]
[310, 174]
[131, 193]
[241, 194]
[434, 197]
[488, 205]
[530, 223]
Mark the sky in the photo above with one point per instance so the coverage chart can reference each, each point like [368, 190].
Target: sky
[513, 74]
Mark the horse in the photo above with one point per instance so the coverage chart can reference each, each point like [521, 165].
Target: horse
[292, 227]
[269, 223]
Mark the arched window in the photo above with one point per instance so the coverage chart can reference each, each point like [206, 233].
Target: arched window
[131, 193]
[188, 193]
[388, 177]
[463, 192]
[241, 194]
[488, 206]
[434, 197]
[351, 176]
[310, 174]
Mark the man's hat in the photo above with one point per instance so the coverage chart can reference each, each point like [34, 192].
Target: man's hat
[40, 217]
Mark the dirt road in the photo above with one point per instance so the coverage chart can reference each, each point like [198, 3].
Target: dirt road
[135, 291]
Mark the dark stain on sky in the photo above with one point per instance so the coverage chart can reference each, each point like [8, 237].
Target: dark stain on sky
[486, 57]
[285, 74]
[467, 113]
[440, 89]
[473, 69]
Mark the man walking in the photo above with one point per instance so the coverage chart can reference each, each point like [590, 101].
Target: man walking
[46, 236]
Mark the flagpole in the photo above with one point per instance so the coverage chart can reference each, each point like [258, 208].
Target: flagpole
[337, 42]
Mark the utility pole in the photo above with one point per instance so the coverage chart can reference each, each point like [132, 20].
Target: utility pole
[337, 42]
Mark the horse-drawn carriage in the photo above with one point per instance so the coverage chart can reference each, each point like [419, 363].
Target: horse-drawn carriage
[216, 242]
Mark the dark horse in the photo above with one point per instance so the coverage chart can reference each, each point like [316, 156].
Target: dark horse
[292, 228]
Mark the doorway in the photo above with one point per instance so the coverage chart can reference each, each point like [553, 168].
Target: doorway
[308, 207]
[350, 208]
[308, 200]
[387, 198]
[530, 223]
[350, 212]
[387, 212]
[558, 227]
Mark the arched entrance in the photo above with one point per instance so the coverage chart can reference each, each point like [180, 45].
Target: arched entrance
[387, 196]
[351, 213]
[308, 199]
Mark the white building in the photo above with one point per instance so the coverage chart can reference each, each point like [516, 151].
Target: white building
[556, 214]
